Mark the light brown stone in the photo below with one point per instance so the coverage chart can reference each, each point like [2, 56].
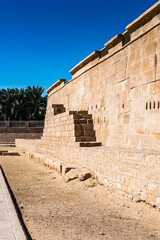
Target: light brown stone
[113, 100]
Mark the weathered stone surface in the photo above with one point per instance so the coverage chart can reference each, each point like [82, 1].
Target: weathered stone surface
[58, 166]
[66, 168]
[1, 152]
[84, 175]
[119, 88]
[72, 174]
[9, 153]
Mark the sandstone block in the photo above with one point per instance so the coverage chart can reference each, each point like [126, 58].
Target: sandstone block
[66, 169]
[84, 175]
[57, 165]
[10, 154]
[1, 152]
[72, 174]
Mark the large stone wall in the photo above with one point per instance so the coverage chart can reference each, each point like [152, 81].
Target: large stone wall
[120, 86]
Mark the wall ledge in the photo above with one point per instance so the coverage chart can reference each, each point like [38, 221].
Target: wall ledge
[84, 62]
[111, 43]
[56, 84]
[144, 18]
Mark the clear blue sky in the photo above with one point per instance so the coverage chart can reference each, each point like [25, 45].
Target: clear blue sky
[41, 40]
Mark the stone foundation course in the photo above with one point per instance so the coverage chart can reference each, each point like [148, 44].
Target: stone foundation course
[135, 173]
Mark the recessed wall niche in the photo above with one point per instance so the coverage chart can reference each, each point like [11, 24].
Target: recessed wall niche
[152, 105]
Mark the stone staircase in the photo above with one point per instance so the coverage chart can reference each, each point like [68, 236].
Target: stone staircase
[69, 127]
[84, 129]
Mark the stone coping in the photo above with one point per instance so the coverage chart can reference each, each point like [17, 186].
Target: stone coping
[140, 21]
[145, 17]
[111, 43]
[89, 58]
[114, 41]
[56, 84]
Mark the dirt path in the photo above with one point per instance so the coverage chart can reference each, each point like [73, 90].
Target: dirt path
[53, 209]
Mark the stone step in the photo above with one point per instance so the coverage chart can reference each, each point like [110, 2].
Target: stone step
[85, 139]
[82, 116]
[78, 112]
[80, 121]
[90, 144]
[84, 133]
[83, 121]
[83, 126]
[82, 112]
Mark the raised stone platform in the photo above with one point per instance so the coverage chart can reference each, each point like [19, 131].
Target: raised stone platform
[72, 128]
[133, 172]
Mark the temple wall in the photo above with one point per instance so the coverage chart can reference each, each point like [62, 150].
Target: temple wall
[133, 172]
[120, 87]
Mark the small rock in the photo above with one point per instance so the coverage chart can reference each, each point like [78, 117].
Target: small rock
[84, 175]
[101, 233]
[71, 175]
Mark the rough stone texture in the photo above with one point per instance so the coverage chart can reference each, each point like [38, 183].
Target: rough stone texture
[84, 175]
[72, 174]
[10, 153]
[120, 87]
[116, 88]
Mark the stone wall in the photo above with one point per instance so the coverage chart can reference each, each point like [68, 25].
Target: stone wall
[10, 130]
[119, 87]
[133, 172]
[10, 137]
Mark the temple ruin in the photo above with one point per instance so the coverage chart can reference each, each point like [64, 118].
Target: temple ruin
[106, 118]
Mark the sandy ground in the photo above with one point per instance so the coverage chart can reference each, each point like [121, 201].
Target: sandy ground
[55, 210]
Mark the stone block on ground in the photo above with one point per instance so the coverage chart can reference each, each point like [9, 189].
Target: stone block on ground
[57, 165]
[46, 161]
[41, 158]
[72, 174]
[66, 168]
[80, 173]
[34, 156]
[1, 152]
[10, 154]
[84, 175]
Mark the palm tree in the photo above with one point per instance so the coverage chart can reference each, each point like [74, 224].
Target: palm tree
[22, 104]
[7, 103]
[36, 104]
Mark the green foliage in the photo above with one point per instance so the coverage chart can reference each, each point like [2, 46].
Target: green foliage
[22, 104]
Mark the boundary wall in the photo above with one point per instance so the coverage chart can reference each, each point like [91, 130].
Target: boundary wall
[10, 130]
[119, 86]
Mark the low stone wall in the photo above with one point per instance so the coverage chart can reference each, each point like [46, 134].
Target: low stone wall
[135, 173]
[10, 137]
[10, 130]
